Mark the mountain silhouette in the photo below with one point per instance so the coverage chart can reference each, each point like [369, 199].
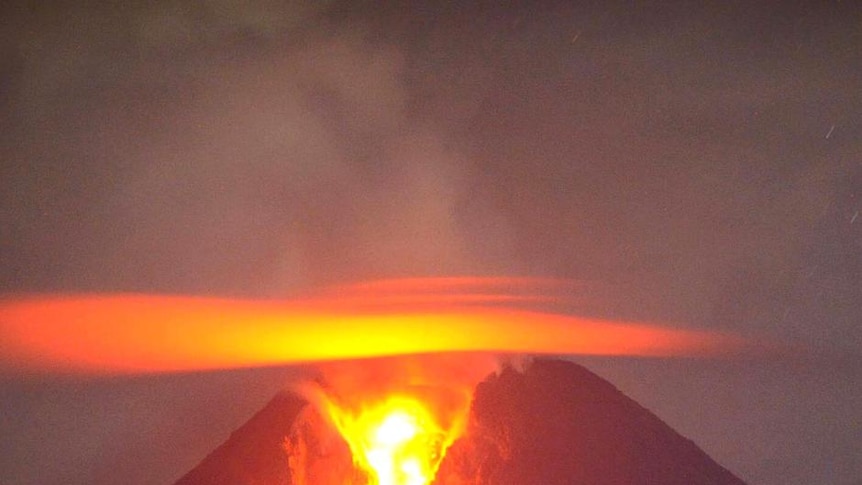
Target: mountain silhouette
[555, 423]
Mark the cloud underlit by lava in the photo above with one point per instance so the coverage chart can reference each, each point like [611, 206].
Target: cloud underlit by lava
[698, 164]
[255, 149]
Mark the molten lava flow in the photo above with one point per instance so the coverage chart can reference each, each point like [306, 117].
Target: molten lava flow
[397, 441]
[394, 418]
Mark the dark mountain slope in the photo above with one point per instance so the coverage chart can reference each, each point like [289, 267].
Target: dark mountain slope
[558, 423]
[254, 453]
[554, 424]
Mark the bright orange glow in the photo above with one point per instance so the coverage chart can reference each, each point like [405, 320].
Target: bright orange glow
[397, 441]
[140, 333]
[396, 416]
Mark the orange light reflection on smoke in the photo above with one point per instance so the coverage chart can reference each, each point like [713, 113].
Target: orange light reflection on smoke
[140, 334]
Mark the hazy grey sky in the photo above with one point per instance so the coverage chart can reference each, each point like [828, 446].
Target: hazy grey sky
[700, 166]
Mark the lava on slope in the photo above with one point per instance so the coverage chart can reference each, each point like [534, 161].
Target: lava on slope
[553, 423]
[398, 416]
[389, 423]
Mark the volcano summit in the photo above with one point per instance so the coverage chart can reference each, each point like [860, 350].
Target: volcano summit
[555, 423]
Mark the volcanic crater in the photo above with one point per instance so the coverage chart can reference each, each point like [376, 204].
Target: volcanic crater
[552, 423]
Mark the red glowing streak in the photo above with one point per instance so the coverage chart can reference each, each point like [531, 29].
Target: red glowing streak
[139, 334]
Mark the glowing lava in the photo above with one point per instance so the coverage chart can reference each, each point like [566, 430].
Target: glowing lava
[397, 420]
[398, 441]
[383, 421]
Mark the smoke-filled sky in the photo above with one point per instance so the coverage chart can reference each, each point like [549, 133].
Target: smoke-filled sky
[694, 165]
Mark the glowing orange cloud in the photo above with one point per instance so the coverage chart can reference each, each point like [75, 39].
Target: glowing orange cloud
[140, 333]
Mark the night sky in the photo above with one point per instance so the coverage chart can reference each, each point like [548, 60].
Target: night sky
[695, 166]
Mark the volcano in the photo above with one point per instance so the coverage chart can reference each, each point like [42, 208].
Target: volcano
[555, 422]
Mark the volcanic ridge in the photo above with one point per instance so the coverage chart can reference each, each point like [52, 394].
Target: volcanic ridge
[555, 423]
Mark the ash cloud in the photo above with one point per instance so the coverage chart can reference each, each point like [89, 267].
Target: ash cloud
[263, 149]
[224, 150]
